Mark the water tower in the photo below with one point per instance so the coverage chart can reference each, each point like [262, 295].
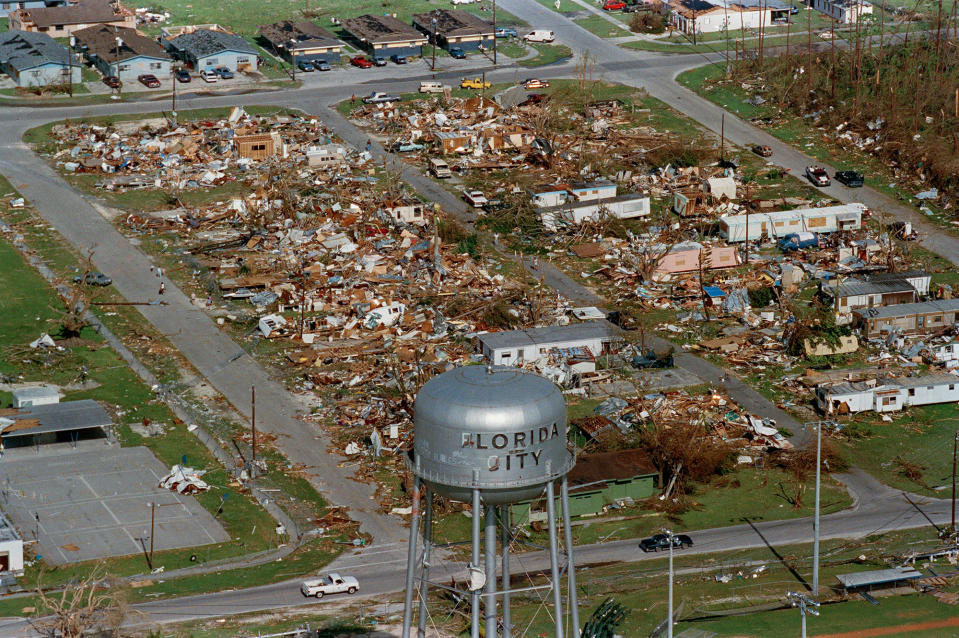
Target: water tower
[490, 437]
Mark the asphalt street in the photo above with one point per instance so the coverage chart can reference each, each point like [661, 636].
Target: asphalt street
[232, 371]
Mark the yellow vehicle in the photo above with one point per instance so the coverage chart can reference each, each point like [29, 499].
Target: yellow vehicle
[474, 83]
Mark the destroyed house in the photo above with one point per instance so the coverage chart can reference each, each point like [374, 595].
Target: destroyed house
[303, 40]
[557, 194]
[855, 293]
[908, 318]
[771, 226]
[408, 212]
[35, 59]
[206, 49]
[122, 53]
[886, 394]
[455, 28]
[684, 257]
[574, 212]
[384, 35]
[712, 16]
[61, 21]
[843, 11]
[515, 347]
[258, 146]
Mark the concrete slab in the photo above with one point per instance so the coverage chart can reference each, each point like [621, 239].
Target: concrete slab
[94, 502]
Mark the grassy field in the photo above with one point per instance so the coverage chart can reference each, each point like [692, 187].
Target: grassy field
[548, 54]
[603, 28]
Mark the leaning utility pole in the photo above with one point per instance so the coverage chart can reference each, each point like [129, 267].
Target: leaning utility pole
[955, 448]
[815, 524]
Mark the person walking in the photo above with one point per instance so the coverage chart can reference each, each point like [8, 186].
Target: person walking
[162, 287]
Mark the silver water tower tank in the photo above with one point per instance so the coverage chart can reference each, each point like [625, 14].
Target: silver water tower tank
[492, 437]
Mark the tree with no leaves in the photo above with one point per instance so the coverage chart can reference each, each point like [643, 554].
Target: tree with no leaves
[90, 604]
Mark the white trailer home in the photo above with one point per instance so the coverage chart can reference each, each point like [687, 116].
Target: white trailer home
[886, 394]
[516, 347]
[771, 226]
[574, 213]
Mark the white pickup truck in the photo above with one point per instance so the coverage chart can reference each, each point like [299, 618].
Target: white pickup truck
[332, 583]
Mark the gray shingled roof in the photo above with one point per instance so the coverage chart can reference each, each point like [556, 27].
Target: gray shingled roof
[298, 35]
[203, 42]
[453, 22]
[907, 309]
[27, 50]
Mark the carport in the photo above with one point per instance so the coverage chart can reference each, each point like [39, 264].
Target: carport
[864, 582]
[38, 424]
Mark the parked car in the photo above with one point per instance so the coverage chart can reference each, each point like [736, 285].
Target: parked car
[321, 65]
[376, 97]
[182, 75]
[540, 35]
[224, 72]
[94, 279]
[149, 81]
[440, 169]
[852, 179]
[505, 32]
[533, 83]
[818, 175]
[361, 62]
[795, 241]
[661, 541]
[762, 150]
[652, 359]
[458, 53]
[430, 86]
[112, 81]
[474, 198]
[398, 59]
[405, 147]
[635, 6]
[332, 583]
[208, 76]
[614, 5]
[534, 98]
[463, 1]
[474, 83]
[306, 66]
[378, 61]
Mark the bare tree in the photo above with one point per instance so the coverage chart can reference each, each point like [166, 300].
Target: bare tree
[72, 319]
[87, 605]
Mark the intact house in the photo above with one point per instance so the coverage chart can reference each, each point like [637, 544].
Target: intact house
[36, 60]
[712, 16]
[685, 257]
[515, 347]
[61, 21]
[570, 204]
[207, 49]
[907, 318]
[868, 291]
[134, 54]
[759, 226]
[843, 11]
[302, 41]
[886, 394]
[455, 28]
[7, 7]
[384, 35]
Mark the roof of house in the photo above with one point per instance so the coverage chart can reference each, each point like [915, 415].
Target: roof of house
[887, 276]
[100, 40]
[856, 288]
[909, 309]
[453, 22]
[842, 211]
[204, 42]
[610, 466]
[600, 329]
[57, 417]
[890, 383]
[292, 35]
[380, 29]
[575, 204]
[26, 50]
[84, 12]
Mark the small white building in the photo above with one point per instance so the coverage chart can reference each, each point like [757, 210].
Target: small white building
[409, 213]
[35, 395]
[553, 195]
[11, 548]
[573, 213]
[828, 219]
[945, 353]
[516, 347]
[886, 395]
[843, 11]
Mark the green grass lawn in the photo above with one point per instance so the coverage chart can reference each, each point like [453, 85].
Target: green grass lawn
[511, 48]
[603, 28]
[547, 54]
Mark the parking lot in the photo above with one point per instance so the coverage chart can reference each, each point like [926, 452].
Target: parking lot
[95, 501]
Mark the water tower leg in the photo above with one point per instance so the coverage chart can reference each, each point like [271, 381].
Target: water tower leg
[425, 574]
[411, 558]
[570, 564]
[554, 558]
[490, 537]
[475, 596]
[504, 526]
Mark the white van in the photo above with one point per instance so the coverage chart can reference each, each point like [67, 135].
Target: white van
[540, 35]
[431, 87]
[440, 169]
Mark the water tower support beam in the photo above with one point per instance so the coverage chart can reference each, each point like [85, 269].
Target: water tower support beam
[411, 558]
[554, 556]
[475, 596]
[490, 595]
[504, 526]
[570, 565]
[427, 547]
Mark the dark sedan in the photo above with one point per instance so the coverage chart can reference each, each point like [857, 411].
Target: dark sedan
[852, 179]
[183, 76]
[149, 81]
[94, 279]
[112, 81]
[661, 541]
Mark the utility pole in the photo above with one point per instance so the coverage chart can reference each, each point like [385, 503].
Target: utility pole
[494, 32]
[815, 524]
[669, 617]
[173, 80]
[806, 606]
[433, 24]
[955, 448]
[722, 138]
[116, 49]
[253, 430]
[153, 518]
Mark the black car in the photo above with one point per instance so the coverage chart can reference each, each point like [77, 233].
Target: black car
[183, 75]
[661, 541]
[398, 59]
[305, 65]
[112, 81]
[458, 53]
[94, 279]
[852, 179]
